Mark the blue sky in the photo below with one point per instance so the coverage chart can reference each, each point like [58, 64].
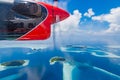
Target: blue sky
[94, 15]
[99, 6]
[91, 20]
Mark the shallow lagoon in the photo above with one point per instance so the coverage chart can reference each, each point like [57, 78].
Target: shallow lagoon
[78, 62]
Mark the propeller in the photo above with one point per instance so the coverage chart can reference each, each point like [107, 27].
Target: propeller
[55, 3]
[57, 19]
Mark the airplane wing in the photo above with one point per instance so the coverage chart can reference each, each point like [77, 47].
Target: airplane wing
[29, 20]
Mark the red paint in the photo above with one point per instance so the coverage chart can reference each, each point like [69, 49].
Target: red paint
[43, 30]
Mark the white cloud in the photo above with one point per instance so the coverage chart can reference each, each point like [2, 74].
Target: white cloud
[90, 13]
[113, 18]
[71, 22]
[70, 32]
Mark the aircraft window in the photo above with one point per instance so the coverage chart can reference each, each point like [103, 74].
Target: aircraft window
[32, 7]
[14, 28]
[28, 9]
[30, 25]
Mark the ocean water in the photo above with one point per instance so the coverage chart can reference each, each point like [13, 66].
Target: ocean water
[70, 62]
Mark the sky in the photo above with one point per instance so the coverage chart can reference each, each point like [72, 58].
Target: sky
[99, 6]
[96, 15]
[89, 20]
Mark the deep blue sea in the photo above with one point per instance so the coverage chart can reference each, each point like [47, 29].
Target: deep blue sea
[82, 62]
